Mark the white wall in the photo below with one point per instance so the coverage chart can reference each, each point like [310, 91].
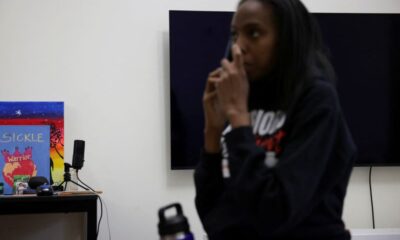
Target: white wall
[108, 60]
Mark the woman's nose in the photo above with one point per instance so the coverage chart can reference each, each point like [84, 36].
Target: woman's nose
[241, 43]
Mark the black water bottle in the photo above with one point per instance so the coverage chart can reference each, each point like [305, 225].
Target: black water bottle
[174, 227]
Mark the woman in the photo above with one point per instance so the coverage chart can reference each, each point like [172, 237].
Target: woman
[277, 152]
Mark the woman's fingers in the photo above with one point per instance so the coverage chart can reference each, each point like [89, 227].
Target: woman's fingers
[215, 73]
[210, 95]
[238, 57]
[226, 66]
[213, 77]
[237, 65]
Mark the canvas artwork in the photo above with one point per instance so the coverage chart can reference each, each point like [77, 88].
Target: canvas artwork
[25, 152]
[49, 114]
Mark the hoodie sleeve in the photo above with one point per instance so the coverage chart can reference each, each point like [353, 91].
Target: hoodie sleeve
[208, 182]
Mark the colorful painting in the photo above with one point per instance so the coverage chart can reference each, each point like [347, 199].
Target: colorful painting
[40, 113]
[25, 151]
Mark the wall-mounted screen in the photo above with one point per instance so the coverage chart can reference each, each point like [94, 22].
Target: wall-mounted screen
[364, 50]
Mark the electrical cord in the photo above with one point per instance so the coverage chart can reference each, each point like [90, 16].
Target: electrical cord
[101, 206]
[108, 221]
[101, 203]
[372, 201]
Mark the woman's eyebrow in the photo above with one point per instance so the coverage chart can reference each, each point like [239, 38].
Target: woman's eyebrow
[247, 25]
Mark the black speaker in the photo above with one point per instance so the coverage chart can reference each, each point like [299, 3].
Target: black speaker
[37, 181]
[78, 155]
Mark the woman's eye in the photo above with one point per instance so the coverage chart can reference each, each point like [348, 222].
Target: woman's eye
[255, 34]
[233, 36]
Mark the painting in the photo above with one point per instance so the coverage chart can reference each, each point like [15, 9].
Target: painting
[40, 113]
[25, 153]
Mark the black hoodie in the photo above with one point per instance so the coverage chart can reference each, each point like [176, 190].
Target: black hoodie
[283, 178]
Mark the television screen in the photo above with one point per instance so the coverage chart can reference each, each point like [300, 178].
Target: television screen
[364, 50]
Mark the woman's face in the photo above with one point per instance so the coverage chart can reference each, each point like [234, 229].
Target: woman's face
[254, 30]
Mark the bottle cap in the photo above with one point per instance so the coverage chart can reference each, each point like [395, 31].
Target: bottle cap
[173, 224]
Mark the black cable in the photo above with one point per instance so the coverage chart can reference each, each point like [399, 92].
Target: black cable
[372, 201]
[101, 203]
[101, 216]
[108, 222]
[72, 181]
[77, 177]
[79, 185]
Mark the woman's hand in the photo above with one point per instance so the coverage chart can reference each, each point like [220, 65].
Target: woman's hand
[214, 117]
[232, 89]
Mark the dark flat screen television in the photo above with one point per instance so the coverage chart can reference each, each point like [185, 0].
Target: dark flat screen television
[365, 52]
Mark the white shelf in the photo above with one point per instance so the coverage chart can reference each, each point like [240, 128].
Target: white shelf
[376, 234]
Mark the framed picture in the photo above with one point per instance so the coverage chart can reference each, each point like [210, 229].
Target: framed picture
[49, 114]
